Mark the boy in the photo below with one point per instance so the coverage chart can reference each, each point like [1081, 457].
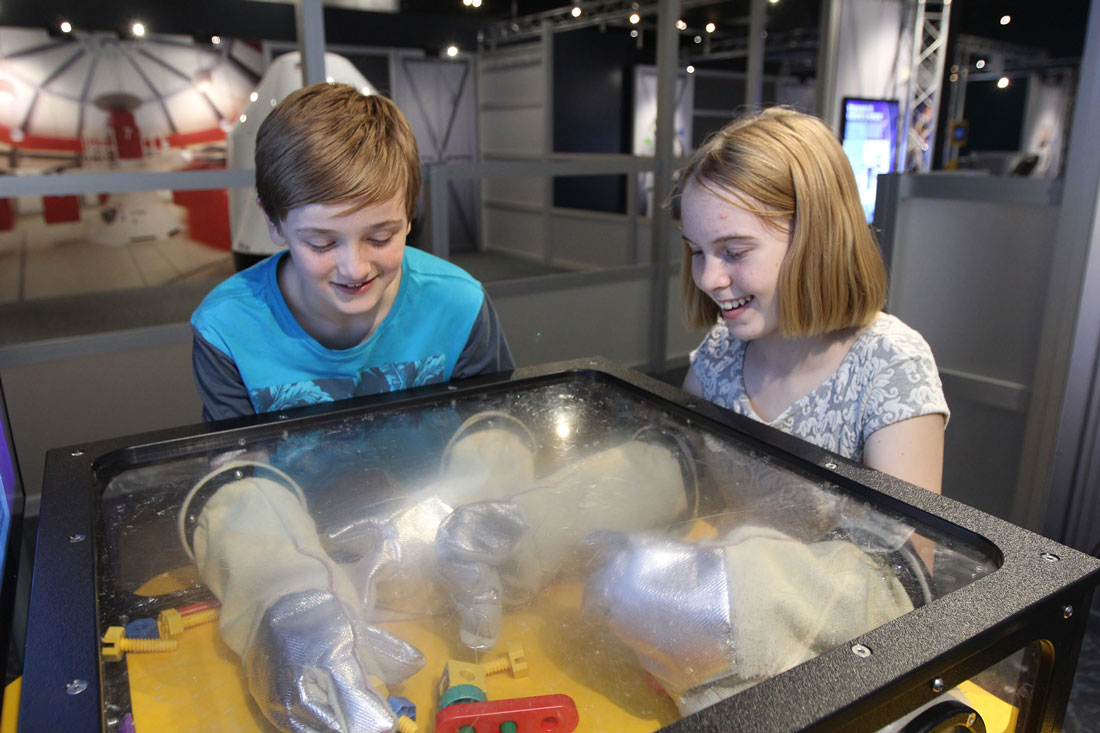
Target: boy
[347, 310]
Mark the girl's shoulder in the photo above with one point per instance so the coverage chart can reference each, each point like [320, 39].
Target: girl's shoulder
[891, 338]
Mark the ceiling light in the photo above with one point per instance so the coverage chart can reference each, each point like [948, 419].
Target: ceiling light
[634, 18]
[243, 118]
[681, 25]
[1006, 19]
[690, 69]
[953, 78]
[466, 3]
[710, 27]
[776, 2]
[330, 79]
[979, 64]
[475, 3]
[576, 11]
[1002, 82]
[253, 97]
[452, 51]
[634, 33]
[203, 81]
[216, 40]
[66, 27]
[138, 29]
[698, 39]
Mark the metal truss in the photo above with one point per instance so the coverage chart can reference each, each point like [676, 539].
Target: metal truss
[922, 102]
[593, 13]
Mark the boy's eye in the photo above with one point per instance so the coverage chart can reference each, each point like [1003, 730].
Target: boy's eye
[380, 239]
[320, 246]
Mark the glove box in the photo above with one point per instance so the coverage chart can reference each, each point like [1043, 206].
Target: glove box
[571, 547]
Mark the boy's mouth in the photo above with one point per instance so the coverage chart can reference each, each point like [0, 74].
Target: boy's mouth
[353, 288]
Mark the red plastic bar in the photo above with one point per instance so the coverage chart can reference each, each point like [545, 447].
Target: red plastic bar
[540, 714]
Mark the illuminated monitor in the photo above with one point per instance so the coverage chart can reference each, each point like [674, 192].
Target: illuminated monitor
[11, 515]
[870, 138]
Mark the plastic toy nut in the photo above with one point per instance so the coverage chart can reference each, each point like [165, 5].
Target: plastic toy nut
[461, 673]
[170, 623]
[402, 706]
[515, 660]
[461, 695]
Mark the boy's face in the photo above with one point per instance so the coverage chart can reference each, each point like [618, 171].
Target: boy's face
[344, 269]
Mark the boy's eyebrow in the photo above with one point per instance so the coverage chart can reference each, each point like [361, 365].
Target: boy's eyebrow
[322, 230]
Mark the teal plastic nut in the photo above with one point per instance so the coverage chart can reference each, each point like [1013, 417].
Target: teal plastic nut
[462, 694]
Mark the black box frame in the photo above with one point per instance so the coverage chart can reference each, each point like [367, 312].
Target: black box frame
[1040, 593]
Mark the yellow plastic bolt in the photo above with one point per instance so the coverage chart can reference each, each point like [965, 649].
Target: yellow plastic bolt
[515, 660]
[405, 724]
[117, 644]
[171, 623]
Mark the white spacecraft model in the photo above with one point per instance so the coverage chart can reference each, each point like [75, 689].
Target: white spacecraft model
[246, 220]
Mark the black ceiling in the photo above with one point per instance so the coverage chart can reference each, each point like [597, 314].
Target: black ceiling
[1057, 27]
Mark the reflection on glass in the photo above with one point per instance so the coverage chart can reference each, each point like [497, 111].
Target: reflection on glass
[646, 566]
[997, 699]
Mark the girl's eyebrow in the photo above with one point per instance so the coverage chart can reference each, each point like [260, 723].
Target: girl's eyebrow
[725, 239]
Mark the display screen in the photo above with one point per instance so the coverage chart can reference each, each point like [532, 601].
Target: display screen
[870, 139]
[8, 479]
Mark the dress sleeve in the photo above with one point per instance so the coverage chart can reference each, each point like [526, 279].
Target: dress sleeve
[219, 382]
[486, 350]
[906, 384]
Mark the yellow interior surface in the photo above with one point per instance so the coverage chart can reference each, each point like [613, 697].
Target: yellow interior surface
[201, 687]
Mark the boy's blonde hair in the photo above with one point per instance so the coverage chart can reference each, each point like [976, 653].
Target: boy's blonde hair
[789, 169]
[331, 144]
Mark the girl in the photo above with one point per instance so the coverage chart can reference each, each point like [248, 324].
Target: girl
[787, 275]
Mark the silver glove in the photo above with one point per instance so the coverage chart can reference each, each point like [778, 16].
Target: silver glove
[667, 600]
[710, 619]
[307, 672]
[502, 552]
[287, 609]
[391, 542]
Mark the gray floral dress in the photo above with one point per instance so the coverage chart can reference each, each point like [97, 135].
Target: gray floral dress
[889, 375]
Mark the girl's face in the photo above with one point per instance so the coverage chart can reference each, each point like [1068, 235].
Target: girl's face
[735, 259]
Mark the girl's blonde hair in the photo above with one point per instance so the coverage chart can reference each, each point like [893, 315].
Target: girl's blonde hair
[789, 169]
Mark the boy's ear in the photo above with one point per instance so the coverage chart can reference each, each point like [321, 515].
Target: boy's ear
[272, 228]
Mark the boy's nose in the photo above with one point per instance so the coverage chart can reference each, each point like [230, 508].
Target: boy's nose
[356, 263]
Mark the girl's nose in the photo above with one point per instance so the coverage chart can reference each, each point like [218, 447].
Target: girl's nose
[712, 275]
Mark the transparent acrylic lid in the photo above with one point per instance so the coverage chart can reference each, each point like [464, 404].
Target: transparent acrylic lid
[609, 546]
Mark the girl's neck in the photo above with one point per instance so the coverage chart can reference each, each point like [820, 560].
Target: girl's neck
[778, 353]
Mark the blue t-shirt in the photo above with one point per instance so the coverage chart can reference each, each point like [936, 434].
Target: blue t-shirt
[441, 318]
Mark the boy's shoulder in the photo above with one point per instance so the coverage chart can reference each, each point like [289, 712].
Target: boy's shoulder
[425, 271]
[426, 264]
[242, 292]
